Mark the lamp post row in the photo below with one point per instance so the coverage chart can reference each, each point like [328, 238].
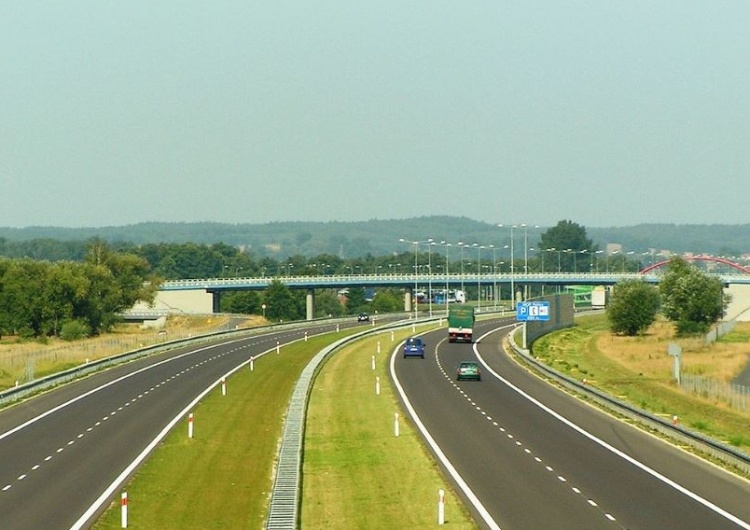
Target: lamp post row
[430, 241]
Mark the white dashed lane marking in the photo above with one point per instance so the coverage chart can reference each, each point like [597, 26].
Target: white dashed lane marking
[99, 423]
[559, 478]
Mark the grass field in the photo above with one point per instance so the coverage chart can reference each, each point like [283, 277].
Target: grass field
[639, 371]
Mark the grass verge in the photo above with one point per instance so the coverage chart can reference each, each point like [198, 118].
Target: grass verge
[357, 473]
[637, 370]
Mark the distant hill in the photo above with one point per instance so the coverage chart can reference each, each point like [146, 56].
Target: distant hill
[380, 237]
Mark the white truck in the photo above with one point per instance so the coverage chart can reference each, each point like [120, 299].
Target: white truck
[599, 297]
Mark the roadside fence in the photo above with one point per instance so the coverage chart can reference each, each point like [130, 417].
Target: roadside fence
[735, 395]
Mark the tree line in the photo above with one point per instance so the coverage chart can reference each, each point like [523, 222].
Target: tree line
[71, 299]
[79, 297]
[686, 296]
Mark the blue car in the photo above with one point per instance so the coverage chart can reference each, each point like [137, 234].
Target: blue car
[414, 347]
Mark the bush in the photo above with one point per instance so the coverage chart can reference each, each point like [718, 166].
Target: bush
[689, 328]
[74, 330]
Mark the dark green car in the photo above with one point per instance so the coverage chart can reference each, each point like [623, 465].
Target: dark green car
[468, 370]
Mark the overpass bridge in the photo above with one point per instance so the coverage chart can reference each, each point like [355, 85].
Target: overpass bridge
[212, 288]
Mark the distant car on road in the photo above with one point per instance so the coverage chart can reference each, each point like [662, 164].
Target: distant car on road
[414, 347]
[363, 317]
[468, 370]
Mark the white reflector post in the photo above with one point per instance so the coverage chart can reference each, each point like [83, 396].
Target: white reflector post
[190, 425]
[441, 506]
[124, 510]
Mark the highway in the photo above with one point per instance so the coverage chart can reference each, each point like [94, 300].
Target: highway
[530, 456]
[61, 450]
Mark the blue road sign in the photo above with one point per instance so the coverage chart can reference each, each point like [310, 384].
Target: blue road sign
[528, 311]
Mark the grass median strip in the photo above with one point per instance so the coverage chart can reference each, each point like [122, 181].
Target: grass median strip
[357, 473]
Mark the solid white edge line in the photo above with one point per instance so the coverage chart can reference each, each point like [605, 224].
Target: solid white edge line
[705, 502]
[108, 493]
[438, 452]
[97, 389]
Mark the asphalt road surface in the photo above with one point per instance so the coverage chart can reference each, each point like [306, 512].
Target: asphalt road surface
[64, 454]
[529, 456]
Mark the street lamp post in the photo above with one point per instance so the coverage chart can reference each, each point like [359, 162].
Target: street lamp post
[574, 252]
[479, 275]
[512, 268]
[494, 277]
[462, 245]
[596, 260]
[447, 247]
[416, 269]
[416, 250]
[429, 272]
[526, 247]
[526, 258]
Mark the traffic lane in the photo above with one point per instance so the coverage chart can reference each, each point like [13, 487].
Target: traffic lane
[489, 460]
[88, 443]
[92, 398]
[696, 475]
[492, 402]
[29, 408]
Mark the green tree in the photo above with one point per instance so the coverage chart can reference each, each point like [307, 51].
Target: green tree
[242, 302]
[355, 300]
[22, 298]
[565, 243]
[633, 307]
[64, 291]
[691, 299]
[388, 301]
[327, 303]
[282, 304]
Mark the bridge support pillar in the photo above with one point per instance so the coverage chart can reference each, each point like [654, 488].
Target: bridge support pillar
[310, 304]
[408, 299]
[216, 302]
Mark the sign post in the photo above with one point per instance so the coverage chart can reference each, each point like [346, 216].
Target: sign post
[531, 312]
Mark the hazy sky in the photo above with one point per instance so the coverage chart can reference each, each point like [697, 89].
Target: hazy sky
[607, 113]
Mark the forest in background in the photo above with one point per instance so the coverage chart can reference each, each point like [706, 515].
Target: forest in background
[349, 240]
